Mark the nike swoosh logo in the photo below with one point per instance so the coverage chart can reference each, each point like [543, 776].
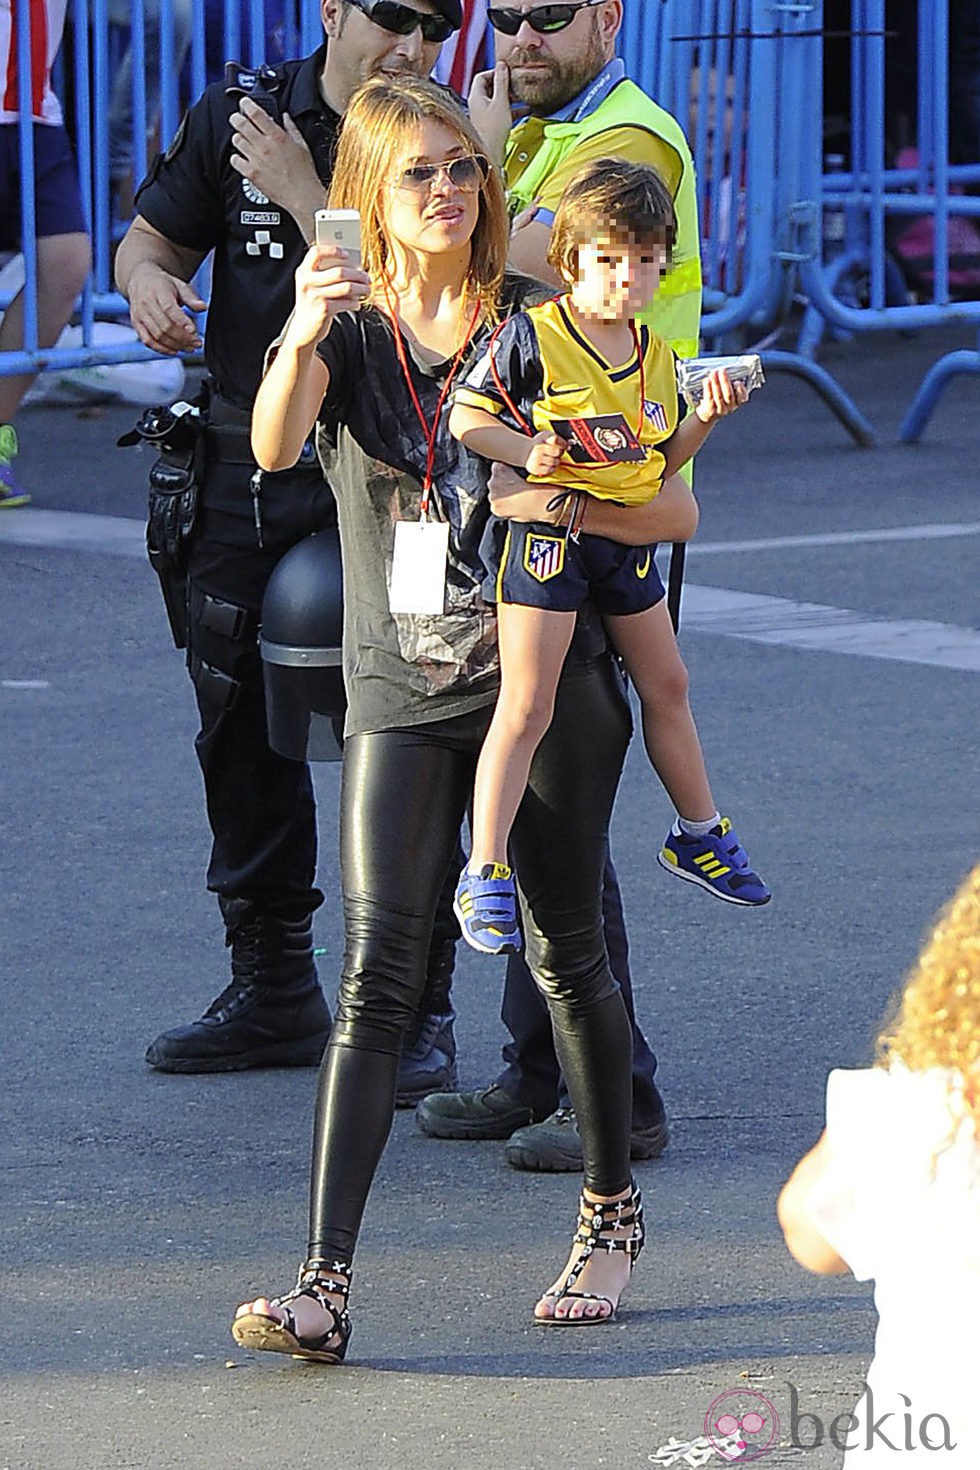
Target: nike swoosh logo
[554, 392]
[644, 567]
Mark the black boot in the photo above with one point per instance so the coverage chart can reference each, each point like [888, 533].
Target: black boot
[428, 1062]
[273, 1013]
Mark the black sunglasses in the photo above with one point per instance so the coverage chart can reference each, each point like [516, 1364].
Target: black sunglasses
[543, 18]
[401, 20]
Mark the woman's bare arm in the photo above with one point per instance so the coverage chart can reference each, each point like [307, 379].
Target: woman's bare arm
[287, 404]
[292, 390]
[670, 516]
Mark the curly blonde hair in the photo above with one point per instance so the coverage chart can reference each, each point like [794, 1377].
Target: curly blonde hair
[937, 1019]
[381, 123]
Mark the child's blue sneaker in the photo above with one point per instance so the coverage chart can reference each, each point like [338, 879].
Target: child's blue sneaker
[486, 907]
[718, 862]
[11, 493]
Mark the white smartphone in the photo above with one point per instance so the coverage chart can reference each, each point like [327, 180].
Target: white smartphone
[340, 227]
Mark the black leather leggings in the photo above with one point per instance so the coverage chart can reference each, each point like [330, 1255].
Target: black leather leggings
[404, 795]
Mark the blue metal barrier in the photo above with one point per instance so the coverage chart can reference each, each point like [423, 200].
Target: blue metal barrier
[89, 79]
[99, 35]
[702, 62]
[764, 191]
[862, 289]
[730, 71]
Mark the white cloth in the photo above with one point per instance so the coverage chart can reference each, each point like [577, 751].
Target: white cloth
[900, 1202]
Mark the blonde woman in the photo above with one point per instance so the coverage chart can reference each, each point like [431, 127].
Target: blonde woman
[422, 677]
[891, 1191]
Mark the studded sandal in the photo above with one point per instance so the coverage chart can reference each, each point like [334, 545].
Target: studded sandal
[261, 1333]
[597, 1223]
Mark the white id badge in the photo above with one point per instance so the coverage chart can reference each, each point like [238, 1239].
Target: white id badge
[418, 567]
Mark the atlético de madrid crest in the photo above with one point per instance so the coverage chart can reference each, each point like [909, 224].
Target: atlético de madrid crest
[544, 557]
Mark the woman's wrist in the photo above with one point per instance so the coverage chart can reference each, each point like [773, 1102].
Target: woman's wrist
[302, 348]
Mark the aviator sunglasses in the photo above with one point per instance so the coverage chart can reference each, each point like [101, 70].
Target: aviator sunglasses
[401, 20]
[545, 19]
[468, 173]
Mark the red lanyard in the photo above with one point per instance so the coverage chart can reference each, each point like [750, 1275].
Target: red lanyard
[643, 384]
[430, 431]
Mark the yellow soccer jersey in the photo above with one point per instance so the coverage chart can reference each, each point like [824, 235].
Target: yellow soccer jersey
[555, 379]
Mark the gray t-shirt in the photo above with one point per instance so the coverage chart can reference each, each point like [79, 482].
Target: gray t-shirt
[407, 669]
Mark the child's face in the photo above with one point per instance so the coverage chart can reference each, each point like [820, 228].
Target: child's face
[617, 276]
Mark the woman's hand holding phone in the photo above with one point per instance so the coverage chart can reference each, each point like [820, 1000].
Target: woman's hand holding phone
[328, 282]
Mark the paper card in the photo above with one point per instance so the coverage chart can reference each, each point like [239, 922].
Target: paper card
[602, 439]
[418, 567]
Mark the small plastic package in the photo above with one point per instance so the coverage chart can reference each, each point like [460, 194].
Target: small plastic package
[692, 371]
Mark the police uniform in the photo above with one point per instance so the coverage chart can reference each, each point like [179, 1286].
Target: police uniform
[541, 374]
[260, 805]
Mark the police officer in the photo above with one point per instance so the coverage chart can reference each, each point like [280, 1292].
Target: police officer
[248, 167]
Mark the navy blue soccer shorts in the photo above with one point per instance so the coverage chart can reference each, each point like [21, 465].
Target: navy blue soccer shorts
[538, 565]
[57, 199]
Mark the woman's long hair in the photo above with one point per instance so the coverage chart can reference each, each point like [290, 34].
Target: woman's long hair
[380, 126]
[937, 1020]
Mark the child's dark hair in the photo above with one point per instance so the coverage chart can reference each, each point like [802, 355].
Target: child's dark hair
[629, 200]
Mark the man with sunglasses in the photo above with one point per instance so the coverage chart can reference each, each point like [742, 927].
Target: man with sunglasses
[250, 164]
[557, 63]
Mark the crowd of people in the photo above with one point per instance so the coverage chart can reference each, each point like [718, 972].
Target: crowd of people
[483, 406]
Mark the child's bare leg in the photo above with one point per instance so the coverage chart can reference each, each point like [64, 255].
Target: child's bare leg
[62, 264]
[533, 644]
[701, 846]
[647, 644]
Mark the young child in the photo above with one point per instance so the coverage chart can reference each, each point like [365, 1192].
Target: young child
[892, 1192]
[579, 395]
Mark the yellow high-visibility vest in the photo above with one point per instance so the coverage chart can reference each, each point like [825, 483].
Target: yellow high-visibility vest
[675, 312]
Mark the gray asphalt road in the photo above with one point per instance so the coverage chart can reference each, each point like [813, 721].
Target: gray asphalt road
[832, 636]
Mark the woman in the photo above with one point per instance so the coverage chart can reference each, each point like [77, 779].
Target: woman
[892, 1191]
[422, 685]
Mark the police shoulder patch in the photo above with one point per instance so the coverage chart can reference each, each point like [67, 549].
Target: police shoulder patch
[178, 140]
[253, 193]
